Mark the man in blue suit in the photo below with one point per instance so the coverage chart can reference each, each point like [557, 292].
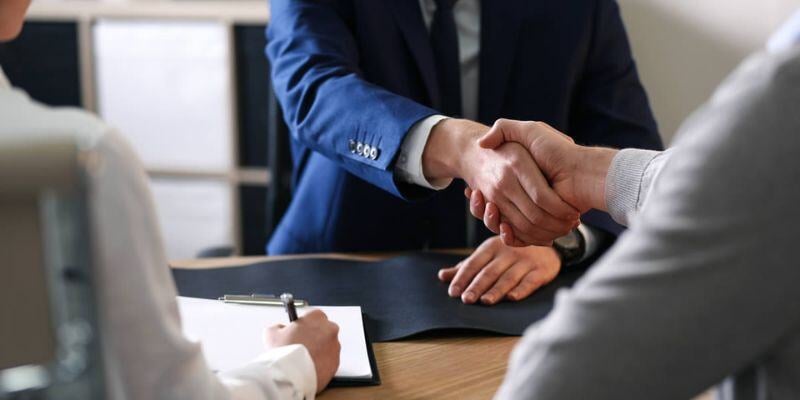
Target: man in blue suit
[365, 87]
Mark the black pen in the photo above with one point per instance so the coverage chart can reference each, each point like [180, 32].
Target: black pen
[288, 304]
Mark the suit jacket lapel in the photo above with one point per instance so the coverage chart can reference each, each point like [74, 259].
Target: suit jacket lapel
[409, 17]
[500, 25]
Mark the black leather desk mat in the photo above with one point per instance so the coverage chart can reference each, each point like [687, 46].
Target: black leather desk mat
[400, 297]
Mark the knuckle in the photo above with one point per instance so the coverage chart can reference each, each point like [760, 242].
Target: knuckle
[532, 280]
[505, 280]
[517, 161]
[465, 276]
[531, 125]
[470, 263]
[536, 196]
[489, 274]
[505, 176]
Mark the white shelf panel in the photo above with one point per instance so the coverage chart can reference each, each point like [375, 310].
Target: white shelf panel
[194, 215]
[239, 11]
[166, 85]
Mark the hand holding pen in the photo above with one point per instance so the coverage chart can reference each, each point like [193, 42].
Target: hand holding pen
[318, 335]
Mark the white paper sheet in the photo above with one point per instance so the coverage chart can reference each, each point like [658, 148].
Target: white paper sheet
[232, 334]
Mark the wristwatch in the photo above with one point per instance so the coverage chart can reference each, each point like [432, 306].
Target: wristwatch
[573, 248]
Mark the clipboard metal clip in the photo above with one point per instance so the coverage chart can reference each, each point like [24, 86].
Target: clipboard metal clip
[259, 300]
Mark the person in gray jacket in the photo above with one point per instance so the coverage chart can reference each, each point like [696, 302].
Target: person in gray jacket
[704, 284]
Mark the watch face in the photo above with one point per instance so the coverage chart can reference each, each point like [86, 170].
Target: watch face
[570, 247]
[570, 241]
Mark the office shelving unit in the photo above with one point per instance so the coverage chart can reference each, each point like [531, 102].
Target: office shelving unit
[108, 57]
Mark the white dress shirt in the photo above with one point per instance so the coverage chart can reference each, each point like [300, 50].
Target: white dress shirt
[145, 353]
[467, 14]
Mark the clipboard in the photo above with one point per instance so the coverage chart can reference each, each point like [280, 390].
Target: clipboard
[231, 335]
[375, 380]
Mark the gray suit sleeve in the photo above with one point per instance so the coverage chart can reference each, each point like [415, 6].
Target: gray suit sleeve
[703, 284]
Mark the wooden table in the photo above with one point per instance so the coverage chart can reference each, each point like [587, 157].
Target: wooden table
[470, 366]
[434, 366]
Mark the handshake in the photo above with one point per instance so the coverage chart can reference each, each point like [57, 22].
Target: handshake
[527, 181]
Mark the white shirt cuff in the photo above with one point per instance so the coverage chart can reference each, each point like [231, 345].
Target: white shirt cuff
[409, 163]
[290, 369]
[590, 241]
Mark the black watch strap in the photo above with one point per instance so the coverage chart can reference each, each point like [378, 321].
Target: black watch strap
[571, 248]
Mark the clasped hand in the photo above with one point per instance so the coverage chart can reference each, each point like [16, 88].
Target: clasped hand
[574, 173]
[556, 156]
[506, 175]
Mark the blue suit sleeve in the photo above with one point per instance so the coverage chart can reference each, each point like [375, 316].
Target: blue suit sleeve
[610, 106]
[326, 102]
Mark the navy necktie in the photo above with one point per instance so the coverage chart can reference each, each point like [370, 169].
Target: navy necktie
[444, 42]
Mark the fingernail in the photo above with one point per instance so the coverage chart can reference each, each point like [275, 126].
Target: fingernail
[487, 299]
[454, 291]
[469, 297]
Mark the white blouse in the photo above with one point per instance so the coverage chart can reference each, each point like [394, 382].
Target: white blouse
[145, 353]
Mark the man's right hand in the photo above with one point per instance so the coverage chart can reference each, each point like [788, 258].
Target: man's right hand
[318, 335]
[507, 176]
[576, 173]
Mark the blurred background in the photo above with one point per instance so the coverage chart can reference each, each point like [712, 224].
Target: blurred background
[186, 81]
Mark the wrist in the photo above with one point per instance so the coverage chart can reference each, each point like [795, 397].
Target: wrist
[592, 170]
[449, 141]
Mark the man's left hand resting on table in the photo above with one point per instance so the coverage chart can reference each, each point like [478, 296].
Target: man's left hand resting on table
[495, 272]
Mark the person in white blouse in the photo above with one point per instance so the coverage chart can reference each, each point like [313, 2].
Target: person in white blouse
[145, 354]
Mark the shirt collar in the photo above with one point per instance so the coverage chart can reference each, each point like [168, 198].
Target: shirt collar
[3, 80]
[787, 36]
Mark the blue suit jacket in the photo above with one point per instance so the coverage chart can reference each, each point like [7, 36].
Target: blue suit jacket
[350, 71]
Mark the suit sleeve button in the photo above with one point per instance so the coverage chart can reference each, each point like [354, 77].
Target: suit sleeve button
[373, 153]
